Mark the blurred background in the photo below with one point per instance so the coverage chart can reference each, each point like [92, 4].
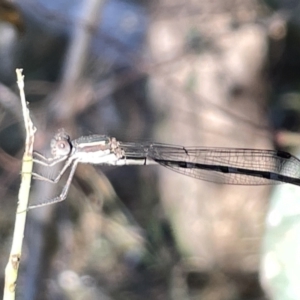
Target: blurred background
[194, 73]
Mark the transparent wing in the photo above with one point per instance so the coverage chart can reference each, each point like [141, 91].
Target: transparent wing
[229, 165]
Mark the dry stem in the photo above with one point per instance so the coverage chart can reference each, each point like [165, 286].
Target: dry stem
[12, 267]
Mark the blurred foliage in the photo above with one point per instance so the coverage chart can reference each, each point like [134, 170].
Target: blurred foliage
[105, 67]
[10, 13]
[280, 255]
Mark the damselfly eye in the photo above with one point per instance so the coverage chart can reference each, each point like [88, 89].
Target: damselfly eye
[60, 147]
[60, 144]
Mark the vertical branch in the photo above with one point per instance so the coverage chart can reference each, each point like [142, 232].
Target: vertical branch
[12, 267]
[76, 57]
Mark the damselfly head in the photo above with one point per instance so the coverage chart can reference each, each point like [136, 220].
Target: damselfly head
[61, 144]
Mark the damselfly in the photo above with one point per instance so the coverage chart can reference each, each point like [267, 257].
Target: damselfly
[220, 165]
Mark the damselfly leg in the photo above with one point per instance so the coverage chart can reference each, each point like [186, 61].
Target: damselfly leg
[61, 173]
[65, 190]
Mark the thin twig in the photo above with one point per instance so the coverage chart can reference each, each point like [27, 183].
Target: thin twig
[12, 267]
